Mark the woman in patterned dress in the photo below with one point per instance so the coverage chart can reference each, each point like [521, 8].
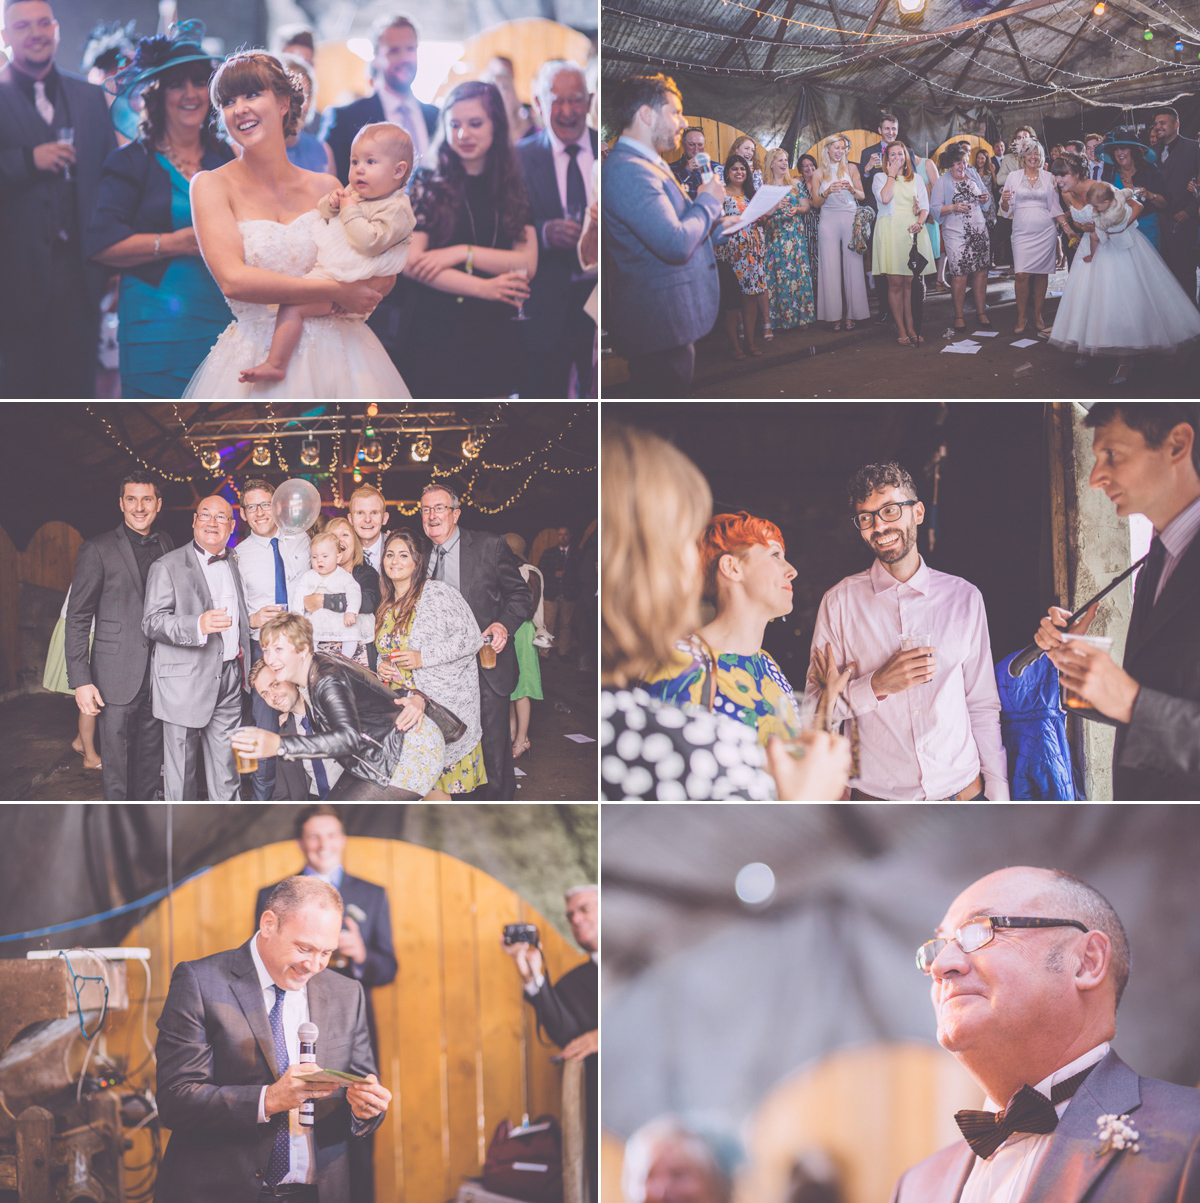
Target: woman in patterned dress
[789, 281]
[427, 639]
[746, 255]
[960, 206]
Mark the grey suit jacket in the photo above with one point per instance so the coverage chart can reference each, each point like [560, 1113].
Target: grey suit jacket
[1167, 1170]
[185, 674]
[661, 270]
[215, 1054]
[107, 586]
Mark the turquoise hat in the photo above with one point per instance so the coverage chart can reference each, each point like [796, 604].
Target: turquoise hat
[180, 44]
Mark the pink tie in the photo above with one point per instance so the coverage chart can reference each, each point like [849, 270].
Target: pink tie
[42, 102]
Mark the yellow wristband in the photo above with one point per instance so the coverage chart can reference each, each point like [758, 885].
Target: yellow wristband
[470, 260]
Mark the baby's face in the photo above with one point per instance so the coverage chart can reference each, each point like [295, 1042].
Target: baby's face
[373, 173]
[324, 558]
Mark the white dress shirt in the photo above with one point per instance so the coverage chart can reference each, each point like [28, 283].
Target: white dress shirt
[256, 563]
[405, 111]
[929, 741]
[224, 593]
[295, 1012]
[1005, 1175]
[562, 161]
[373, 555]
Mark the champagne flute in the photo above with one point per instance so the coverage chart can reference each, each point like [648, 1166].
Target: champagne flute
[66, 134]
[521, 270]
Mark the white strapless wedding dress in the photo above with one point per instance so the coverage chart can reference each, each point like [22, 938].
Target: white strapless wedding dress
[338, 357]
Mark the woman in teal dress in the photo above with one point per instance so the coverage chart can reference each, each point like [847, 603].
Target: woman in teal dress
[529, 679]
[169, 309]
[789, 279]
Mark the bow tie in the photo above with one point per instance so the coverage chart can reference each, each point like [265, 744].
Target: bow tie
[212, 559]
[1029, 1111]
[143, 540]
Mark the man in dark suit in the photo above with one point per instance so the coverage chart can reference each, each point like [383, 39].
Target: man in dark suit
[295, 780]
[196, 614]
[557, 167]
[569, 1010]
[1148, 462]
[560, 571]
[484, 570]
[1179, 158]
[684, 168]
[228, 1063]
[112, 679]
[364, 950]
[1027, 971]
[50, 302]
[869, 166]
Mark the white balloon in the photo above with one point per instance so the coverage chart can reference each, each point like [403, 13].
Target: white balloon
[295, 504]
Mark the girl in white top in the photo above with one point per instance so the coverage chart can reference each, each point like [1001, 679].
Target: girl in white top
[326, 577]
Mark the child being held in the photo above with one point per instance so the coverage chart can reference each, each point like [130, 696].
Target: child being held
[367, 232]
[1109, 212]
[326, 577]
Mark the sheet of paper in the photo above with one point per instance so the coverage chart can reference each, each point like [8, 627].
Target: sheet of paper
[962, 348]
[582, 739]
[1024, 342]
[518, 772]
[763, 201]
[985, 333]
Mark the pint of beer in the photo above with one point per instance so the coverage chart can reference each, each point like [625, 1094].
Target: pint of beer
[245, 762]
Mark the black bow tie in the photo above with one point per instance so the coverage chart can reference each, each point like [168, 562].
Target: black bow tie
[212, 559]
[143, 540]
[1029, 1111]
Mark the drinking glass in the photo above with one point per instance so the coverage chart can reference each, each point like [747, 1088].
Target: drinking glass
[917, 639]
[523, 272]
[67, 134]
[245, 763]
[1104, 643]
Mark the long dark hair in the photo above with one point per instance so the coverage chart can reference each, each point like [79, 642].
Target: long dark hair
[153, 126]
[748, 184]
[438, 197]
[405, 605]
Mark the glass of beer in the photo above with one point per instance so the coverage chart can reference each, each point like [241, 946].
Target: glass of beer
[1104, 643]
[908, 642]
[245, 762]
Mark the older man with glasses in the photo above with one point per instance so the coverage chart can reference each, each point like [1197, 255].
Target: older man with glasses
[922, 682]
[1026, 1001]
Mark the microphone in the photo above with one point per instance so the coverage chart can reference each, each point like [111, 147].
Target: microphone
[704, 163]
[308, 1056]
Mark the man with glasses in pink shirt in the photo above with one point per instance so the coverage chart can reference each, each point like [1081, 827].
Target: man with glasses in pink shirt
[928, 715]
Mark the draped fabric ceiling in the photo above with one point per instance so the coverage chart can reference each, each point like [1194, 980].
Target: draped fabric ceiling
[709, 1003]
[794, 71]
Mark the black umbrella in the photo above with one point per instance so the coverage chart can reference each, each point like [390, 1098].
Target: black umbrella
[917, 263]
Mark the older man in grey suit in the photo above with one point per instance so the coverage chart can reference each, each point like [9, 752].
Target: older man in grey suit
[1027, 969]
[196, 614]
[229, 1077]
[663, 288]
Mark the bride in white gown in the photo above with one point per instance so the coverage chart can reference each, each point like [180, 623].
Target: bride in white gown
[257, 226]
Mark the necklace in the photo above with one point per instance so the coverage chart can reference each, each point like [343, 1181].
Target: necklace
[187, 167]
[471, 218]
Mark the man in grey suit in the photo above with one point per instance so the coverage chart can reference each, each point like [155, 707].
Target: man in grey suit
[662, 274]
[229, 1076]
[196, 614]
[112, 679]
[1027, 969]
[485, 571]
[54, 137]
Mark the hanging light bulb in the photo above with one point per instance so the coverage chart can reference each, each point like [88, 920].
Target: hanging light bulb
[210, 459]
[910, 8]
[422, 448]
[369, 432]
[372, 410]
[310, 452]
[1149, 35]
[472, 445]
[373, 452]
[1098, 10]
[261, 456]
[1179, 45]
[357, 477]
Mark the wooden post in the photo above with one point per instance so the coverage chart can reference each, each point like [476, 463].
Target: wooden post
[574, 1129]
[35, 1143]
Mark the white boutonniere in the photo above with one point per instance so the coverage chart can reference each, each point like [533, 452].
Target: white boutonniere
[1116, 1132]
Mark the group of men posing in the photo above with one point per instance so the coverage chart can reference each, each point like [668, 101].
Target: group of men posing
[176, 633]
[229, 1075]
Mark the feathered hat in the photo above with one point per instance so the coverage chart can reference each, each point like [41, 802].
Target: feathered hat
[109, 43]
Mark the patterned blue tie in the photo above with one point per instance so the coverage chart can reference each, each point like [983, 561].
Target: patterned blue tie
[319, 775]
[280, 575]
[280, 1162]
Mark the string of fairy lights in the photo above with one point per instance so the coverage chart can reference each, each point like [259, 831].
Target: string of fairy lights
[210, 467]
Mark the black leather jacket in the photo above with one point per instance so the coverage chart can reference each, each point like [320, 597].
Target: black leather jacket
[353, 717]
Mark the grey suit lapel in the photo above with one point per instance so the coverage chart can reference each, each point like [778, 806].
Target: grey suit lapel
[466, 562]
[318, 1007]
[191, 565]
[250, 998]
[1073, 1161]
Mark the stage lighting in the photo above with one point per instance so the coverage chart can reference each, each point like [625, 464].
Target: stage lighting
[210, 459]
[422, 448]
[310, 452]
[373, 452]
[472, 445]
[261, 456]
[910, 8]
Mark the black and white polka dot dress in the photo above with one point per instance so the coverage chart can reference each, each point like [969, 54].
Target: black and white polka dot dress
[651, 751]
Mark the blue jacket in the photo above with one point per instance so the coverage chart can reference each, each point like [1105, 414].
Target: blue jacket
[1033, 727]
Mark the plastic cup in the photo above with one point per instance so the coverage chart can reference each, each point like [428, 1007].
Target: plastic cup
[1104, 643]
[245, 763]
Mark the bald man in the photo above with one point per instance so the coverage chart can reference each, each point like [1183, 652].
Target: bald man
[1026, 971]
[196, 615]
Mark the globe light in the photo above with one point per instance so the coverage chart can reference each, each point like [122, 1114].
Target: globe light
[310, 452]
[1179, 46]
[210, 459]
[1149, 35]
[372, 409]
[261, 456]
[1099, 9]
[357, 477]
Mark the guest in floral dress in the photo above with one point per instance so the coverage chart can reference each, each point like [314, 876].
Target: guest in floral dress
[744, 277]
[427, 639]
[961, 207]
[789, 281]
[812, 219]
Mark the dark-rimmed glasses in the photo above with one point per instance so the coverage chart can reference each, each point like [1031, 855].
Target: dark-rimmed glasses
[978, 933]
[889, 513]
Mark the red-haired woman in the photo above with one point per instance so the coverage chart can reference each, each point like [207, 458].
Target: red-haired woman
[723, 667]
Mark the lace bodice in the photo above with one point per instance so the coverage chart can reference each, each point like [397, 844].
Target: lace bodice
[288, 249]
